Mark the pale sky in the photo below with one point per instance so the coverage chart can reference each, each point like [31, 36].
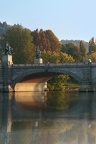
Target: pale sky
[68, 19]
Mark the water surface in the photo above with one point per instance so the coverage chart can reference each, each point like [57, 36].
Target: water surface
[48, 118]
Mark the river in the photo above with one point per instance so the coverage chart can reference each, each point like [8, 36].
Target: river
[48, 118]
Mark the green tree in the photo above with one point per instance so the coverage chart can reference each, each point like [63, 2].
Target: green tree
[63, 48]
[64, 57]
[50, 57]
[82, 49]
[20, 40]
[74, 51]
[54, 57]
[92, 46]
[58, 83]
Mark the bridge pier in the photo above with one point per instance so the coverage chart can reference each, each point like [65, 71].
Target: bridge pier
[87, 76]
[5, 87]
[6, 73]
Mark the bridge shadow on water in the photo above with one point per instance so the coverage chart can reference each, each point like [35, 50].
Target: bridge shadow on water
[49, 117]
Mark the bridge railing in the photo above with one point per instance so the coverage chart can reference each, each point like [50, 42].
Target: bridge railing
[48, 64]
[52, 64]
[93, 64]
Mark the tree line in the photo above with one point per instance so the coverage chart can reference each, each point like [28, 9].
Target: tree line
[24, 43]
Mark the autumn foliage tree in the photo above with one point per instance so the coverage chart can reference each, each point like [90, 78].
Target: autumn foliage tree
[46, 40]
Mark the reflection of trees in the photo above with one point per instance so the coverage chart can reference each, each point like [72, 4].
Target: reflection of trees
[60, 100]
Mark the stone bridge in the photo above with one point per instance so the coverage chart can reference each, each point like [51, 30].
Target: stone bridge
[34, 77]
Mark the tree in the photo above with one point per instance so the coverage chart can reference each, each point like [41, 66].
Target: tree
[54, 42]
[74, 51]
[54, 57]
[58, 83]
[20, 40]
[50, 57]
[63, 48]
[46, 40]
[64, 57]
[82, 49]
[92, 56]
[92, 46]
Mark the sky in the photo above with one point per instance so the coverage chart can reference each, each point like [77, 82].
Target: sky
[68, 19]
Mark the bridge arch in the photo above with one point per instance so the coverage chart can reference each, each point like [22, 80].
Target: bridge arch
[47, 73]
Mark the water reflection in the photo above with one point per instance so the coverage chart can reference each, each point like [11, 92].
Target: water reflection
[61, 100]
[27, 118]
[30, 99]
